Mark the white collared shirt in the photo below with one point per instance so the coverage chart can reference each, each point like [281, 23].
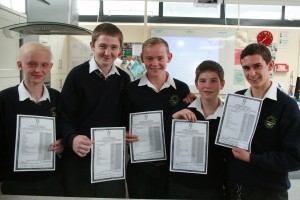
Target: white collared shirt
[94, 66]
[24, 94]
[197, 104]
[271, 93]
[145, 81]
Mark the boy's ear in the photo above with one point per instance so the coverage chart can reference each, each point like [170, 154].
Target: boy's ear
[271, 65]
[222, 84]
[170, 55]
[92, 45]
[19, 64]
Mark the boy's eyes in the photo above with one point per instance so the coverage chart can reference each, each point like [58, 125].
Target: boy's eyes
[35, 65]
[211, 81]
[257, 66]
[104, 46]
[32, 64]
[246, 68]
[150, 58]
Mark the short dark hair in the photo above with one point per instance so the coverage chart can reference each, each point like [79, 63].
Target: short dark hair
[257, 49]
[107, 29]
[209, 65]
[154, 41]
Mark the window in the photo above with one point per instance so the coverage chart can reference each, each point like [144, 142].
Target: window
[130, 8]
[88, 7]
[256, 13]
[292, 12]
[253, 11]
[188, 10]
[17, 5]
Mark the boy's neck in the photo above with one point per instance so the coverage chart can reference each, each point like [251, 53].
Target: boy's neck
[260, 92]
[105, 69]
[158, 81]
[210, 107]
[36, 91]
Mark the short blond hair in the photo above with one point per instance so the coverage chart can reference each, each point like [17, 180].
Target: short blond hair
[154, 41]
[31, 47]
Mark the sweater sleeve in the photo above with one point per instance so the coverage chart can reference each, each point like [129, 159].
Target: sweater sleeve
[125, 103]
[68, 103]
[1, 137]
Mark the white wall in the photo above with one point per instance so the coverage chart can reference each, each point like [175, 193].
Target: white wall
[72, 50]
[9, 45]
[288, 54]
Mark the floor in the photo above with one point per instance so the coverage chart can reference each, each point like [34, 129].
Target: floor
[294, 192]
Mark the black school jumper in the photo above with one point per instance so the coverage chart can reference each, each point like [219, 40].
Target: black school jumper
[89, 100]
[203, 186]
[42, 183]
[275, 150]
[149, 180]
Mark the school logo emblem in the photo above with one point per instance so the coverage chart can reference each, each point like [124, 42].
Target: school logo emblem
[174, 100]
[270, 122]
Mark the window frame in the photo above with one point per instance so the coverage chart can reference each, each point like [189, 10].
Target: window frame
[190, 20]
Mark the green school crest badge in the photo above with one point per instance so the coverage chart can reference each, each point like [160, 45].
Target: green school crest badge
[174, 100]
[270, 122]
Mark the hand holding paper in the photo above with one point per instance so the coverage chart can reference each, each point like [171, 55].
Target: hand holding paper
[57, 146]
[241, 154]
[131, 138]
[82, 145]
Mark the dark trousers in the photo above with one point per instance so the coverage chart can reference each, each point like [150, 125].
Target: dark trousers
[77, 180]
[50, 186]
[147, 181]
[180, 191]
[241, 192]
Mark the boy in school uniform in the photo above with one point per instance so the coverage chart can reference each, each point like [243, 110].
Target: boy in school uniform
[30, 97]
[92, 96]
[156, 90]
[207, 107]
[275, 149]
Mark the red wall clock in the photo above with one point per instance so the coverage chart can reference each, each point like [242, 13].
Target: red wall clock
[265, 38]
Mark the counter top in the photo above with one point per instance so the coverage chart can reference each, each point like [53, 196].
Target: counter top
[22, 197]
[17, 197]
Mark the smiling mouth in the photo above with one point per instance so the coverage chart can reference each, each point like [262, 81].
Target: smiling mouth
[253, 79]
[107, 58]
[208, 92]
[155, 69]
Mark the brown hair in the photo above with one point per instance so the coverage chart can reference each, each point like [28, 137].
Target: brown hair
[107, 29]
[212, 66]
[257, 49]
